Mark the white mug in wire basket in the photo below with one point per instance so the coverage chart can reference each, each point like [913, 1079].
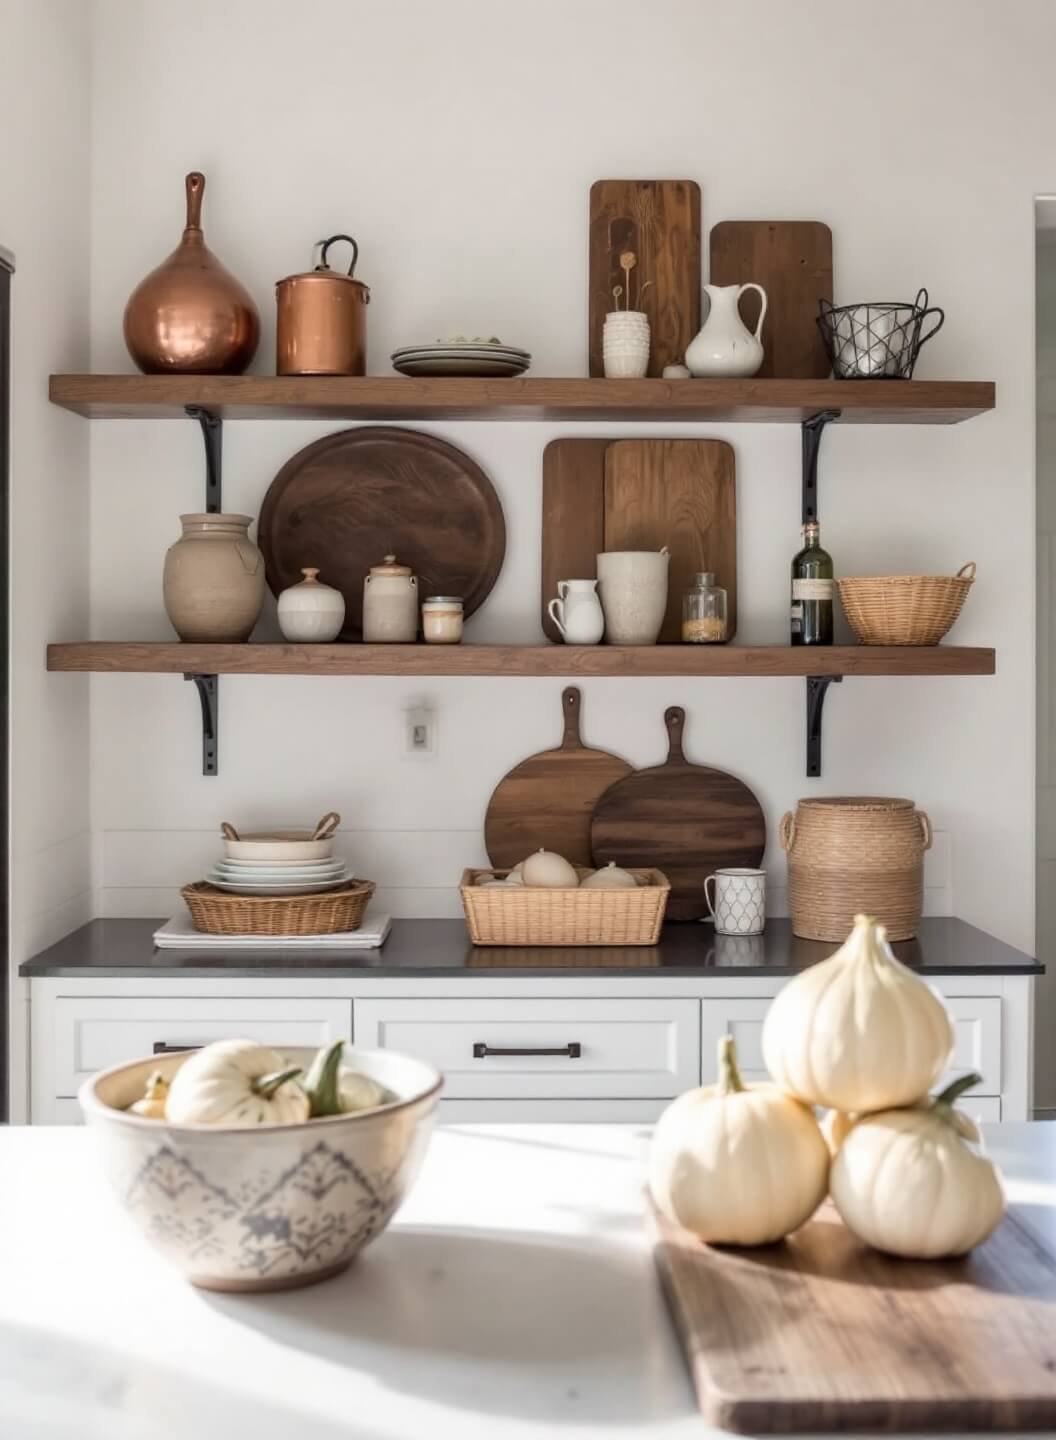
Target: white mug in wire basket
[738, 904]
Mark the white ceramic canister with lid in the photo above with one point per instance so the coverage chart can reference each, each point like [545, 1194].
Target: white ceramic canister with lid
[310, 612]
[390, 604]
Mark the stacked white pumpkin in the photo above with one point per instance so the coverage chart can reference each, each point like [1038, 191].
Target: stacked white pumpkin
[546, 870]
[863, 1036]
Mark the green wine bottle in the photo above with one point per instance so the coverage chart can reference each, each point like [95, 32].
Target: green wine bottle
[812, 590]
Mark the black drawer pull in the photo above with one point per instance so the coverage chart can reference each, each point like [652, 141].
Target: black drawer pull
[572, 1051]
[161, 1048]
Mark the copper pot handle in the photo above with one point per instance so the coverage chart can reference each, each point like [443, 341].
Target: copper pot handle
[787, 831]
[925, 829]
[195, 186]
[325, 246]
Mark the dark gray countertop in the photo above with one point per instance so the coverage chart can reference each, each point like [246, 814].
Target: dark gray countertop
[440, 948]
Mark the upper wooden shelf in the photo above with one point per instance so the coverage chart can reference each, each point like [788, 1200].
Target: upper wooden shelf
[173, 658]
[269, 397]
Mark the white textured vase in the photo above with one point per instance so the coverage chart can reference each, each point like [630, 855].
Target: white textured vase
[625, 344]
[311, 612]
[633, 586]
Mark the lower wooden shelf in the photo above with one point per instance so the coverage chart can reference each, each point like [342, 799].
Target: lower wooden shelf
[519, 660]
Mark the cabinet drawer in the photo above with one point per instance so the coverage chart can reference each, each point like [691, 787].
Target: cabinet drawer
[630, 1049]
[976, 1025]
[93, 1032]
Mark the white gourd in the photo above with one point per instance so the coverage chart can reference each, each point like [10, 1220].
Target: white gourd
[357, 1091]
[738, 1164]
[236, 1083]
[859, 1031]
[549, 871]
[609, 877]
[907, 1182]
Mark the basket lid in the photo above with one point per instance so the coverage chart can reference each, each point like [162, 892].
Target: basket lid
[857, 802]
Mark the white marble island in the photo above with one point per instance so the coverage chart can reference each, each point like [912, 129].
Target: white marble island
[514, 1296]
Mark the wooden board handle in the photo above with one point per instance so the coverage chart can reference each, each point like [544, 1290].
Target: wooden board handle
[570, 703]
[675, 720]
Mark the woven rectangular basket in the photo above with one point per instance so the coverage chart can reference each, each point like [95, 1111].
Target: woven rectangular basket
[904, 609]
[526, 915]
[333, 912]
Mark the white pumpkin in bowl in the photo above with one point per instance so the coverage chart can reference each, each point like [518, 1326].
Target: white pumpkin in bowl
[236, 1083]
[909, 1182]
[738, 1164]
[858, 1032]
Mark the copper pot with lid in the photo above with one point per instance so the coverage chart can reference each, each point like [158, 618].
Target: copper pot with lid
[322, 319]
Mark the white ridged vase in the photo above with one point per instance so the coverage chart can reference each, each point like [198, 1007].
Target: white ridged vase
[625, 344]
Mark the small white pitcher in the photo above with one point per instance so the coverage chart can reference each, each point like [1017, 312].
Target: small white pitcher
[577, 613]
[724, 345]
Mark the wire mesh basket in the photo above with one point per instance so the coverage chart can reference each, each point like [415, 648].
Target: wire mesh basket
[876, 341]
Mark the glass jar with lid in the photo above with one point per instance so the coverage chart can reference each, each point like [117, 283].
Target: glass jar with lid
[442, 620]
[704, 612]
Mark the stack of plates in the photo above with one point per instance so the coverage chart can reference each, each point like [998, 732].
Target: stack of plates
[279, 877]
[462, 357]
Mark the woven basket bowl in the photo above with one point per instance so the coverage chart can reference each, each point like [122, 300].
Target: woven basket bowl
[526, 915]
[853, 854]
[333, 912]
[904, 609]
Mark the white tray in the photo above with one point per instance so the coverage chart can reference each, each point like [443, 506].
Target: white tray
[180, 934]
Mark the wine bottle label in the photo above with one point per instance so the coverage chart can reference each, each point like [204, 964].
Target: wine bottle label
[811, 590]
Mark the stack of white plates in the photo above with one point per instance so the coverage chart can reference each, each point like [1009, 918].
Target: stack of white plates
[482, 358]
[279, 877]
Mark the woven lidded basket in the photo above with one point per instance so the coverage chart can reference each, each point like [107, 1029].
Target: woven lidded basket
[904, 609]
[529, 915]
[852, 854]
[333, 912]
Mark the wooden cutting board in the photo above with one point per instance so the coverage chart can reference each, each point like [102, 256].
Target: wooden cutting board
[548, 799]
[820, 1333]
[659, 221]
[573, 516]
[792, 261]
[682, 494]
[686, 820]
[346, 501]
[639, 495]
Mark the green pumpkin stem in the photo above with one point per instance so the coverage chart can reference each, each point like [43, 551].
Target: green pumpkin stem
[956, 1089]
[322, 1083]
[267, 1085]
[730, 1081]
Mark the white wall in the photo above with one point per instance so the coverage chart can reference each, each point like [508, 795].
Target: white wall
[458, 142]
[1046, 778]
[44, 157]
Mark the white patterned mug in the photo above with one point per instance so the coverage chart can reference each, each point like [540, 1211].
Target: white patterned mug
[739, 903]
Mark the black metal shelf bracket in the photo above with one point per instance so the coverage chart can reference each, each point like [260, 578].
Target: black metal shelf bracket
[213, 435]
[209, 694]
[817, 687]
[812, 431]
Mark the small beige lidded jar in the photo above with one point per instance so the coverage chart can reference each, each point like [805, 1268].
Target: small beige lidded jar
[390, 604]
[704, 612]
[442, 620]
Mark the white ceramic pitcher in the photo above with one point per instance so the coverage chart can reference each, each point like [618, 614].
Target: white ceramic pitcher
[724, 346]
[576, 611]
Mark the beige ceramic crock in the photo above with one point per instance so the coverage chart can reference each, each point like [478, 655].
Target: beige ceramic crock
[390, 604]
[214, 579]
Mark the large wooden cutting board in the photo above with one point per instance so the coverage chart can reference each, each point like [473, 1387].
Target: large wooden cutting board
[548, 799]
[659, 221]
[792, 261]
[682, 494]
[686, 820]
[820, 1333]
[573, 516]
[344, 502]
[640, 495]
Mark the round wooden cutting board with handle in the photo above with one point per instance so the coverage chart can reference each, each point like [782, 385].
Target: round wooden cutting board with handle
[548, 799]
[686, 820]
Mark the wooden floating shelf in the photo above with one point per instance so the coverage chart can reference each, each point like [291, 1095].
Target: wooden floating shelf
[762, 661]
[271, 397]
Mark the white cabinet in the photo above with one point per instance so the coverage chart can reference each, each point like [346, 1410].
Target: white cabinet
[76, 1035]
[535, 1049]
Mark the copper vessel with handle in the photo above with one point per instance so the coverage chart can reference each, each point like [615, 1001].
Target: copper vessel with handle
[321, 324]
[191, 316]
